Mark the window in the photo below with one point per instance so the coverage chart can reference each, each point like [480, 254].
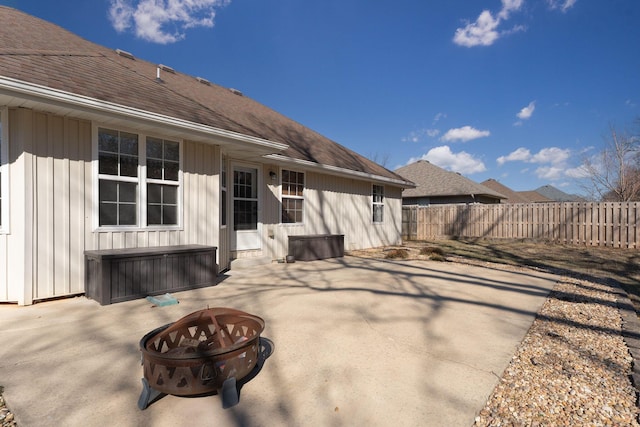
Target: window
[163, 166]
[378, 203]
[292, 197]
[127, 197]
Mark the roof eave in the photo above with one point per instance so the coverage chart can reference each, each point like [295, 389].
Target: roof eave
[335, 170]
[38, 93]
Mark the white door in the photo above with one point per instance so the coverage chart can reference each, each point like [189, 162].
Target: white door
[246, 233]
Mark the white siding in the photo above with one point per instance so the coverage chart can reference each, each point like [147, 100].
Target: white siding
[333, 205]
[51, 207]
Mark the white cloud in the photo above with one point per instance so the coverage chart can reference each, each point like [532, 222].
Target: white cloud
[464, 134]
[418, 135]
[163, 21]
[527, 111]
[439, 117]
[579, 172]
[552, 173]
[563, 5]
[484, 31]
[521, 154]
[443, 157]
[480, 33]
[553, 155]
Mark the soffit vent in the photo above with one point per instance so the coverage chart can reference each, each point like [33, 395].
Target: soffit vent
[125, 54]
[235, 91]
[203, 81]
[167, 68]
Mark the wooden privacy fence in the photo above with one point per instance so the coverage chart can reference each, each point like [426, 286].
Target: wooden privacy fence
[590, 224]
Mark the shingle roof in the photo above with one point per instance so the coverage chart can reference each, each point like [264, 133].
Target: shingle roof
[534, 196]
[42, 53]
[512, 196]
[432, 180]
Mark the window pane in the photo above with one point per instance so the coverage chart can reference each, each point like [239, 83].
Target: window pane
[128, 192]
[108, 214]
[154, 214]
[154, 148]
[377, 213]
[128, 166]
[171, 170]
[108, 140]
[245, 215]
[171, 151]
[154, 169]
[108, 191]
[170, 194]
[169, 215]
[154, 193]
[129, 143]
[108, 164]
[127, 214]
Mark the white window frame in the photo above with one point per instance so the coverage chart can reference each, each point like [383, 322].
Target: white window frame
[288, 196]
[141, 180]
[4, 170]
[375, 203]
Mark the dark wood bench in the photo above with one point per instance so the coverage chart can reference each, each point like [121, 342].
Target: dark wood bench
[311, 247]
[116, 275]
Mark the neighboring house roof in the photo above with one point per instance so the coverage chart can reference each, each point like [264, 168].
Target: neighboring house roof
[534, 197]
[552, 193]
[433, 181]
[40, 60]
[511, 195]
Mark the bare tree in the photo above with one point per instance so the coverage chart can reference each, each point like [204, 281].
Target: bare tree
[614, 174]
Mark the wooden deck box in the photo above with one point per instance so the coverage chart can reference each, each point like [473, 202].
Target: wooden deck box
[118, 275]
[316, 246]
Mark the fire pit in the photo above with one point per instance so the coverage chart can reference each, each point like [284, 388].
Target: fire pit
[206, 351]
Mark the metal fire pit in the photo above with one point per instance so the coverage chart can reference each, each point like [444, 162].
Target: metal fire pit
[206, 351]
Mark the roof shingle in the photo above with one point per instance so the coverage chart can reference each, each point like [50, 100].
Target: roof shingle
[42, 53]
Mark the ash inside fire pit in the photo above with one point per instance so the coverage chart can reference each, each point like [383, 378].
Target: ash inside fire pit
[206, 351]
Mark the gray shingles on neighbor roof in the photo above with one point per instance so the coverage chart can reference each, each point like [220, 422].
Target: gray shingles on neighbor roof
[432, 181]
[42, 53]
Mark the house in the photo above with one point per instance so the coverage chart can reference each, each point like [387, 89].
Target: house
[435, 185]
[553, 194]
[511, 195]
[102, 150]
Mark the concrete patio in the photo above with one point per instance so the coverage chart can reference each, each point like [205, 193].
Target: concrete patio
[355, 342]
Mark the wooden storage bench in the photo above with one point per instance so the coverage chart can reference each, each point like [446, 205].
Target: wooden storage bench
[316, 246]
[117, 275]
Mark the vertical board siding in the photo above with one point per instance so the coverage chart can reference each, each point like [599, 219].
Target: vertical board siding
[612, 224]
[52, 205]
[333, 205]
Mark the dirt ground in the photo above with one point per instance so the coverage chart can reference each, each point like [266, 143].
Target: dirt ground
[590, 263]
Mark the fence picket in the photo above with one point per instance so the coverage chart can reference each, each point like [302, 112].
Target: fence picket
[578, 223]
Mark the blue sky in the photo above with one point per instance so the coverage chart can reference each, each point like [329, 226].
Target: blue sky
[516, 90]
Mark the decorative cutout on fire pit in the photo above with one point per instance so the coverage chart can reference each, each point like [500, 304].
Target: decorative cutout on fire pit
[206, 351]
